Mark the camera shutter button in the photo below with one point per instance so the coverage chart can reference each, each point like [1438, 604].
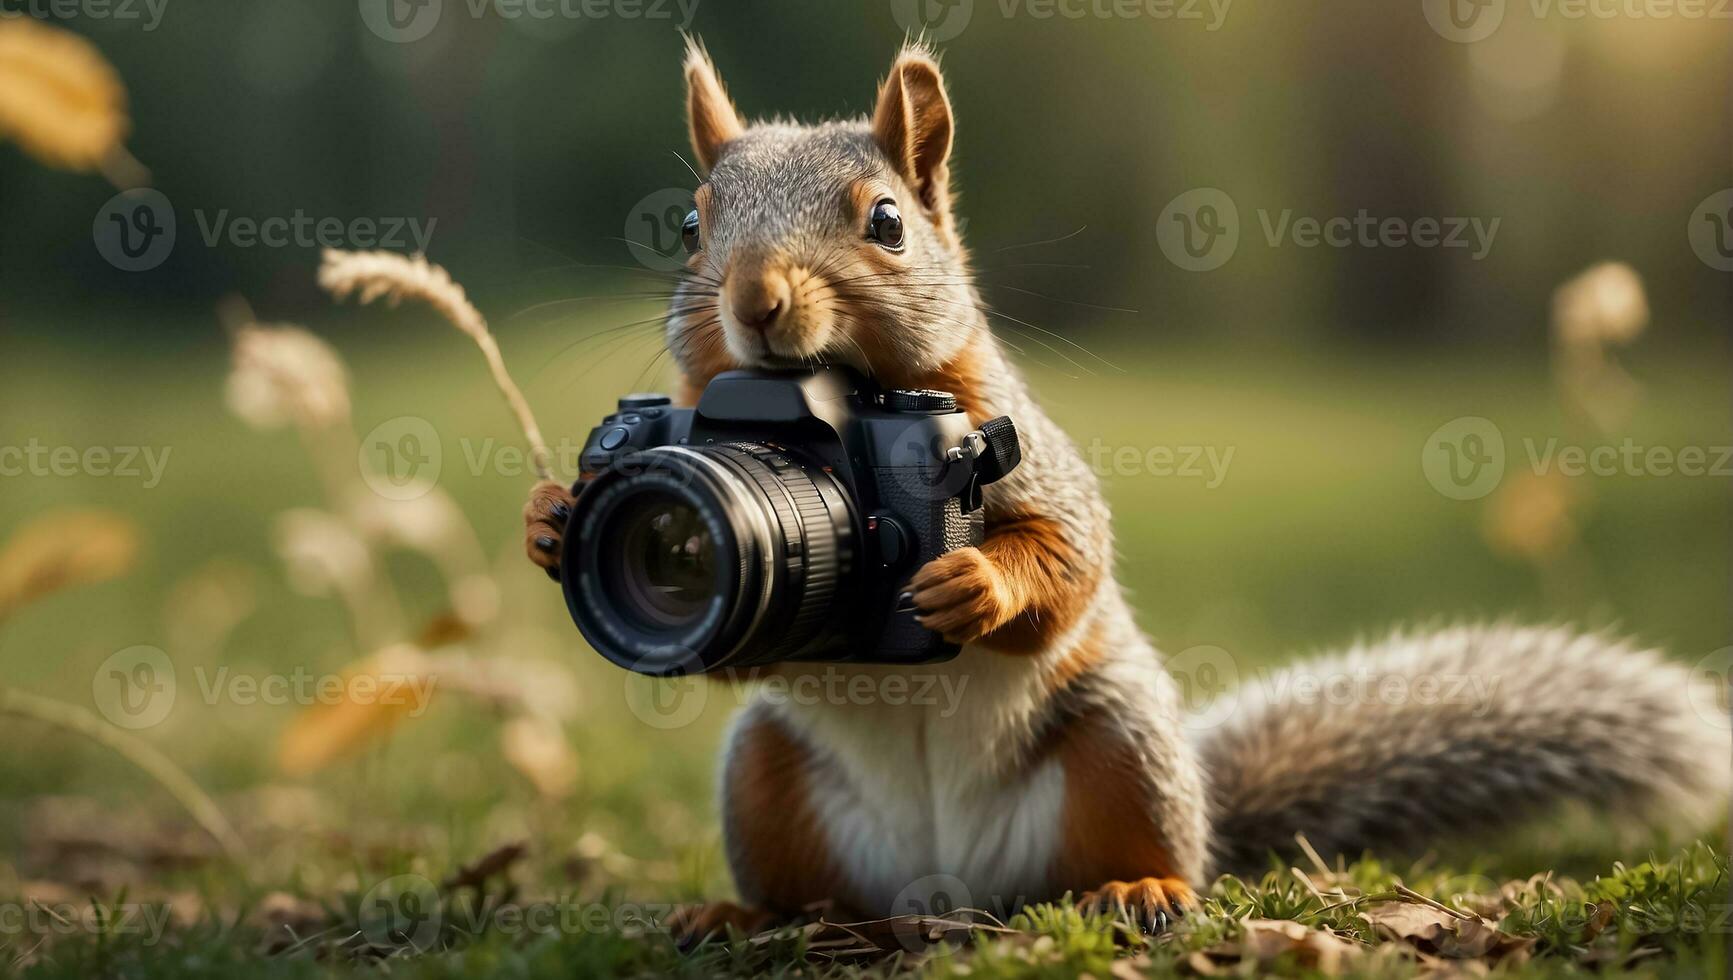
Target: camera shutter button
[614, 439]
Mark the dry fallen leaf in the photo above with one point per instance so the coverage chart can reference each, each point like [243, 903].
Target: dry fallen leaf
[284, 919]
[1436, 931]
[63, 550]
[495, 862]
[375, 695]
[1263, 941]
[876, 938]
[59, 98]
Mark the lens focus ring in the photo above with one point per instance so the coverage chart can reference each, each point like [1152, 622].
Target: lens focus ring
[815, 529]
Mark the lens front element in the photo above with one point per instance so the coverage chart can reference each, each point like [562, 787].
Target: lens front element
[686, 559]
[665, 570]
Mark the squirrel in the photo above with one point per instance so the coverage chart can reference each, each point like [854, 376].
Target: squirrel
[1068, 767]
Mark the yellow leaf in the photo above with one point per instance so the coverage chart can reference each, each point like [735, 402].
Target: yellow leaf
[375, 694]
[1531, 517]
[63, 550]
[59, 98]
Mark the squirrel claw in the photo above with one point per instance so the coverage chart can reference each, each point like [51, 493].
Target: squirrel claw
[545, 517]
[1150, 904]
[960, 595]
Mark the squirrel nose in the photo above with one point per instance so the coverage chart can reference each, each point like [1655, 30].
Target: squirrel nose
[758, 300]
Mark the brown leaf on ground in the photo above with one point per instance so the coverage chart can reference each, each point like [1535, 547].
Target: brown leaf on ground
[285, 920]
[80, 843]
[1263, 941]
[1436, 931]
[495, 862]
[876, 938]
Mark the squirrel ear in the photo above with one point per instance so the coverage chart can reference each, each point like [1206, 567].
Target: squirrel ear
[912, 125]
[709, 113]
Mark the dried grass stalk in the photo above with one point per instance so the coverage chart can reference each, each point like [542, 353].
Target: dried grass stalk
[537, 748]
[158, 766]
[1602, 308]
[386, 275]
[64, 550]
[63, 103]
[284, 374]
[1604, 305]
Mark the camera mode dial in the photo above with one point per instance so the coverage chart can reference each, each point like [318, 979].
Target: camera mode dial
[924, 401]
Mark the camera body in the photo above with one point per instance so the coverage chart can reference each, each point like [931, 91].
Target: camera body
[778, 520]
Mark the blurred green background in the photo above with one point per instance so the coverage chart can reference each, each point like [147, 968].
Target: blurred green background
[531, 144]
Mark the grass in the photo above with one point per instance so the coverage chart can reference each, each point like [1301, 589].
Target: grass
[1655, 919]
[1322, 527]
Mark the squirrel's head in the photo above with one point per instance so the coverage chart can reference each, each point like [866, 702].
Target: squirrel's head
[832, 242]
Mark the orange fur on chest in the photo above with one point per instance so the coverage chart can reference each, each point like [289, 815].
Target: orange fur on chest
[1108, 831]
[773, 824]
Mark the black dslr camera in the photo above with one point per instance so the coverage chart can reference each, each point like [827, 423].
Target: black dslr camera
[779, 520]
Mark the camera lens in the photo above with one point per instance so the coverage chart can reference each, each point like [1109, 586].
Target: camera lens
[687, 559]
[665, 561]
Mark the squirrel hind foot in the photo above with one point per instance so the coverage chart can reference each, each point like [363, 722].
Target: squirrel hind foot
[1149, 904]
[691, 925]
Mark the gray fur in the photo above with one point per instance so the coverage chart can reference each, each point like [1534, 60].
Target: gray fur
[1559, 716]
[781, 188]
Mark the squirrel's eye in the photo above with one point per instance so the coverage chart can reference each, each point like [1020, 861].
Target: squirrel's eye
[886, 227]
[689, 231]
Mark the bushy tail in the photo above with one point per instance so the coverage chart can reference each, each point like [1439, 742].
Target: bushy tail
[1468, 729]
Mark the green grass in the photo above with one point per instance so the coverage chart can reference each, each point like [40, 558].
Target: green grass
[1322, 529]
[1655, 919]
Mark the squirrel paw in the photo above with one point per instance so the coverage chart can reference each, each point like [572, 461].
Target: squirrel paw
[1151, 904]
[692, 924]
[545, 517]
[961, 596]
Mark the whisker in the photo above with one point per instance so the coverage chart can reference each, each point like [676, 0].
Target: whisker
[1057, 299]
[600, 298]
[1050, 241]
[688, 166]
